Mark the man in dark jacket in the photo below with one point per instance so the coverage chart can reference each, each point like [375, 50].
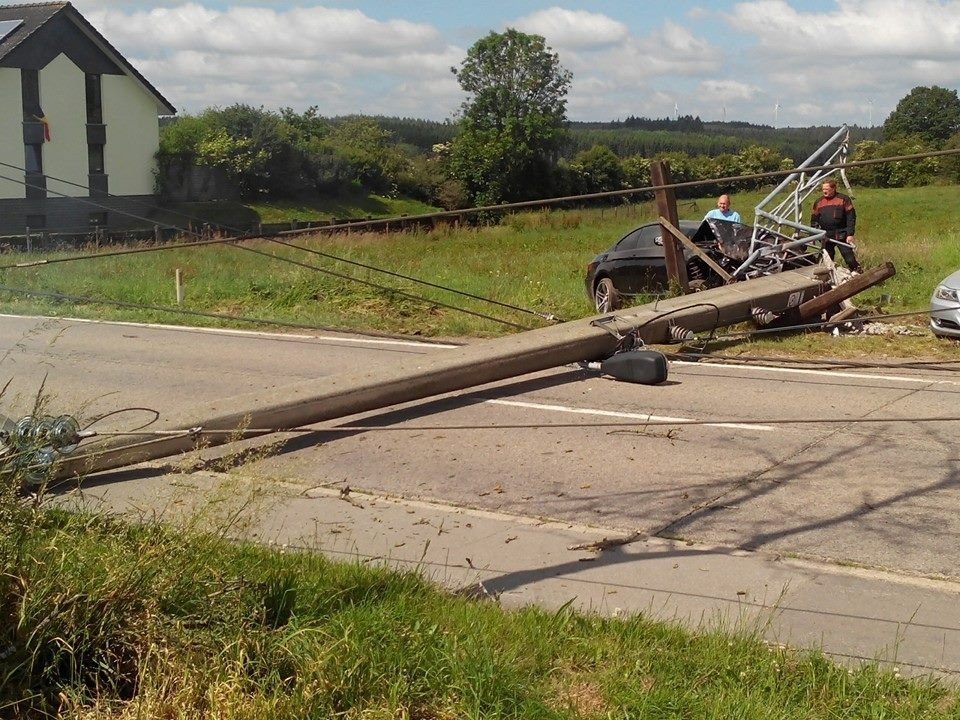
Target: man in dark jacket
[835, 214]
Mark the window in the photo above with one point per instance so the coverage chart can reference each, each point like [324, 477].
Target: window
[33, 159]
[8, 26]
[650, 236]
[94, 101]
[629, 242]
[95, 159]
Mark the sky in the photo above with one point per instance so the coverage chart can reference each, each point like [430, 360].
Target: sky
[775, 62]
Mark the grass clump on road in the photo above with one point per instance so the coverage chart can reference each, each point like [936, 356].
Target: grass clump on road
[102, 619]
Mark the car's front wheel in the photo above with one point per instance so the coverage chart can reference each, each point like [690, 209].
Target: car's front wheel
[605, 296]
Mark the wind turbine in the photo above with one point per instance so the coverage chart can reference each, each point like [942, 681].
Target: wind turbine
[776, 113]
[870, 112]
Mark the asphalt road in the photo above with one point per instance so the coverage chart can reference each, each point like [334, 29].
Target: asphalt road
[563, 444]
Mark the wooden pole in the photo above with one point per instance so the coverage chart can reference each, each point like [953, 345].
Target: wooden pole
[667, 207]
[326, 398]
[695, 250]
[858, 283]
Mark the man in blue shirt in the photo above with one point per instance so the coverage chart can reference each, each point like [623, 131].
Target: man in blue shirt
[722, 211]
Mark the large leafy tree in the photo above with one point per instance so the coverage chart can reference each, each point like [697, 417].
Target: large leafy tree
[512, 119]
[931, 113]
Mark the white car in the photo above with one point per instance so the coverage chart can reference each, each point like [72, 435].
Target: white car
[945, 308]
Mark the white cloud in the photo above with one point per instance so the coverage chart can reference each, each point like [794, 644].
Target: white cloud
[245, 31]
[627, 78]
[573, 29]
[821, 64]
[343, 61]
[726, 90]
[911, 29]
[851, 62]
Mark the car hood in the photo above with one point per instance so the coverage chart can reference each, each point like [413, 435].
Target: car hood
[952, 281]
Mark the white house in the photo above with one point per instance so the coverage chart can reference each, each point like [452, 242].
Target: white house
[79, 125]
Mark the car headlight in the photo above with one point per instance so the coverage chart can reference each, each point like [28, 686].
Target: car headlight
[945, 293]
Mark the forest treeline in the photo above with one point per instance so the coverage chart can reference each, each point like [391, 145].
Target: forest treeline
[285, 154]
[647, 136]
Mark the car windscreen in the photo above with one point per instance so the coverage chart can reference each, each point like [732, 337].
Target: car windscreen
[732, 239]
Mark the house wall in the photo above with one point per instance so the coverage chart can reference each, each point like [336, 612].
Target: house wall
[133, 136]
[11, 133]
[71, 216]
[64, 101]
[62, 51]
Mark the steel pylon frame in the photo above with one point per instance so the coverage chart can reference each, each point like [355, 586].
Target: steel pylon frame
[781, 240]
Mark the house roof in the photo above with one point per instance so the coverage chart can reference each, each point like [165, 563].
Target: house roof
[36, 15]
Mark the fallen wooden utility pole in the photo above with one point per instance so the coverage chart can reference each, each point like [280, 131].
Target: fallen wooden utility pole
[820, 304]
[338, 396]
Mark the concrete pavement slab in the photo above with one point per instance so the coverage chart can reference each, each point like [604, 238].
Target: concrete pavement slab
[852, 614]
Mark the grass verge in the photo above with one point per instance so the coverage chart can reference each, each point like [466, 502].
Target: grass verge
[107, 620]
[531, 260]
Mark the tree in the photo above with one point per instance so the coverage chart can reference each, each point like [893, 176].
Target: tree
[512, 119]
[932, 113]
[597, 170]
[902, 173]
[367, 148]
[253, 146]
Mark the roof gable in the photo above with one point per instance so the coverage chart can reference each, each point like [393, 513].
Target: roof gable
[51, 28]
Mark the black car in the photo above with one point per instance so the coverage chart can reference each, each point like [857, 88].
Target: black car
[635, 264]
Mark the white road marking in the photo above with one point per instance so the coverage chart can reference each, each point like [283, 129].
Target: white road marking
[644, 417]
[444, 346]
[241, 333]
[808, 371]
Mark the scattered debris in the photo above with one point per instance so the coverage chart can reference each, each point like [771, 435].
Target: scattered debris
[605, 543]
[345, 496]
[879, 328]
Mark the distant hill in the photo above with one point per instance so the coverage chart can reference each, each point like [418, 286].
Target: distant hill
[649, 136]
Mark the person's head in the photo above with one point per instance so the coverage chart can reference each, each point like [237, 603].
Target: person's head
[723, 202]
[829, 188]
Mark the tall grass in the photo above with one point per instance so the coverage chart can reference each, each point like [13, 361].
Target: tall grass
[107, 620]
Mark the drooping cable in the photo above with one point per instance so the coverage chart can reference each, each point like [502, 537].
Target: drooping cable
[544, 316]
[233, 240]
[393, 291]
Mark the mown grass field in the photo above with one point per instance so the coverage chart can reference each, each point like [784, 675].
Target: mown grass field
[533, 260]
